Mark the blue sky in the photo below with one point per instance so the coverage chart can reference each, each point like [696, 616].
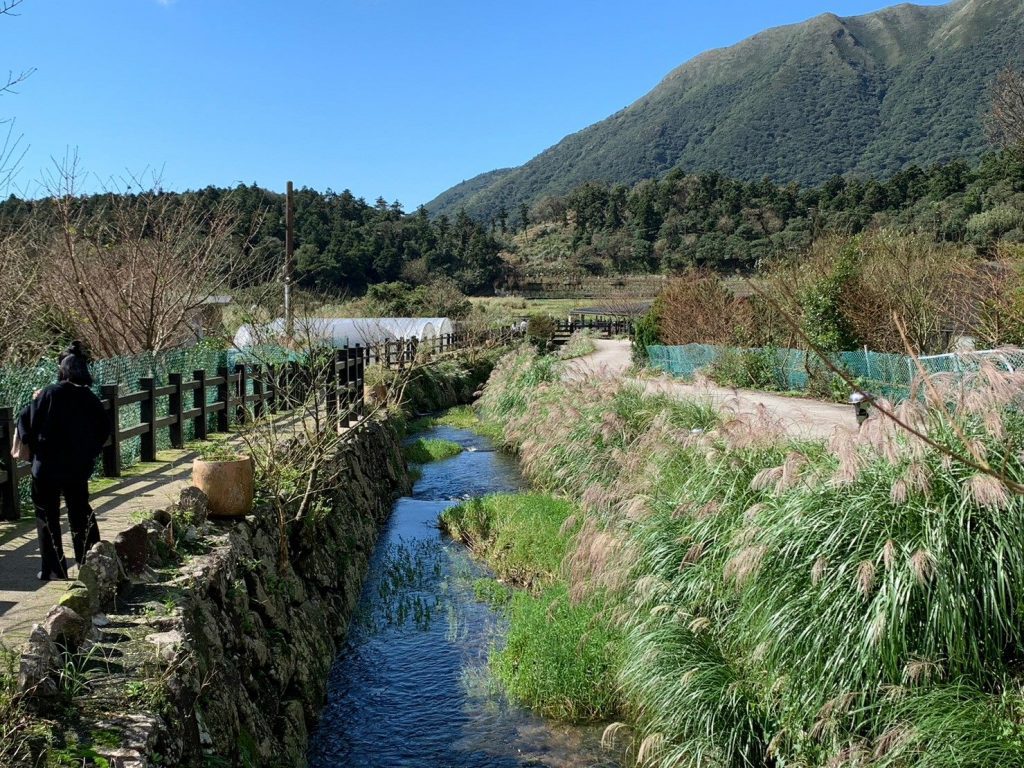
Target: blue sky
[397, 98]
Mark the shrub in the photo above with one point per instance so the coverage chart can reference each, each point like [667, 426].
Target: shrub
[747, 368]
[540, 330]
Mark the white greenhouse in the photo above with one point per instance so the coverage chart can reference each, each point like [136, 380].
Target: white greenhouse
[341, 332]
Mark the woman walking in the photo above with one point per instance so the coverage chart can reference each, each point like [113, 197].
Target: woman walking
[64, 428]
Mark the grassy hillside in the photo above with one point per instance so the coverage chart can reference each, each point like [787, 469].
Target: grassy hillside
[869, 95]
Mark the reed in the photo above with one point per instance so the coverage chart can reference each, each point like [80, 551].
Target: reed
[845, 604]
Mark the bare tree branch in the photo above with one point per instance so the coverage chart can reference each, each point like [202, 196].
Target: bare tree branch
[1006, 110]
[137, 267]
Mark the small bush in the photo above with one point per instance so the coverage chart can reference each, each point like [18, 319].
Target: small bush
[540, 330]
[747, 369]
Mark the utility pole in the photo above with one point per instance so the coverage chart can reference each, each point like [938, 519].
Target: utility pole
[289, 249]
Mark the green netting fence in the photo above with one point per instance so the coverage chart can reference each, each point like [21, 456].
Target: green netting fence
[879, 373]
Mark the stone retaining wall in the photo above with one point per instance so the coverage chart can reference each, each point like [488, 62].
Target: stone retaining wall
[217, 652]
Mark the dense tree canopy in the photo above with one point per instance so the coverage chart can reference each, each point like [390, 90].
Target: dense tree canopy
[343, 244]
[708, 219]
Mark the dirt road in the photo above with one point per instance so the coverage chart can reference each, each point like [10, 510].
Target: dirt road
[801, 417]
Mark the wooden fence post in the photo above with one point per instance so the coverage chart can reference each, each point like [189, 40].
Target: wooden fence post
[259, 373]
[224, 396]
[331, 387]
[112, 451]
[175, 408]
[360, 383]
[272, 382]
[199, 401]
[345, 380]
[243, 392]
[147, 414]
[296, 392]
[9, 507]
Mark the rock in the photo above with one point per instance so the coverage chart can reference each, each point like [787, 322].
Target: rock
[101, 573]
[167, 643]
[191, 534]
[77, 599]
[100, 620]
[36, 672]
[192, 507]
[132, 547]
[159, 541]
[163, 517]
[123, 758]
[66, 627]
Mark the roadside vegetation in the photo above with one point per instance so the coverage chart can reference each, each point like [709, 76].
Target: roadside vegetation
[772, 602]
[580, 344]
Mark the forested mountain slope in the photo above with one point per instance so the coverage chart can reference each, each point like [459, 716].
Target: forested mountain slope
[866, 95]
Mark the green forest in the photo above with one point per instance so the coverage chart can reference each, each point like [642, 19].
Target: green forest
[343, 243]
[711, 220]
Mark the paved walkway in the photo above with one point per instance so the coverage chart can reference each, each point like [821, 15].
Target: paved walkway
[24, 600]
[801, 416]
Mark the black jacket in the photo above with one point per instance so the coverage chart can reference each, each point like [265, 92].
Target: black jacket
[65, 427]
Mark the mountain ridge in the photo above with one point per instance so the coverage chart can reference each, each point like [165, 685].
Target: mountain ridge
[862, 95]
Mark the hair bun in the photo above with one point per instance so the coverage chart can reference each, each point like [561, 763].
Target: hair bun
[76, 349]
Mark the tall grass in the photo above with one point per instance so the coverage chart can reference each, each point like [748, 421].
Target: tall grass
[855, 603]
[560, 656]
[579, 344]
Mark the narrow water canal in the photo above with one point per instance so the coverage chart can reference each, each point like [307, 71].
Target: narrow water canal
[411, 688]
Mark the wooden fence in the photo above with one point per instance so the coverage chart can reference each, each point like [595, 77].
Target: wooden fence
[606, 329]
[247, 391]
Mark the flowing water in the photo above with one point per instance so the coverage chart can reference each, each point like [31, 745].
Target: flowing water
[411, 687]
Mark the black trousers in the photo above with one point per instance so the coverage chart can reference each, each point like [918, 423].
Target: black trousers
[46, 495]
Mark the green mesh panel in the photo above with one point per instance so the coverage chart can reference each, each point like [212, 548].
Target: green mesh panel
[888, 375]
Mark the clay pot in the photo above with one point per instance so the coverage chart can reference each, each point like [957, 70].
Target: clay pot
[229, 485]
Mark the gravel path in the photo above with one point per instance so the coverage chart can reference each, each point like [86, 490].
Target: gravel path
[801, 416]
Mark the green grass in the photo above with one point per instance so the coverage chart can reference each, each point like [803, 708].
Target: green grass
[426, 450]
[491, 591]
[520, 536]
[580, 344]
[559, 657]
[774, 602]
[459, 417]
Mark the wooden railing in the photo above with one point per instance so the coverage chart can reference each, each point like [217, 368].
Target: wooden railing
[245, 392]
[274, 389]
[606, 329]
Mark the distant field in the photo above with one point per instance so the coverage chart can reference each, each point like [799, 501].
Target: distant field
[516, 306]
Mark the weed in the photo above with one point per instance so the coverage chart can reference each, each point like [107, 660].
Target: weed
[491, 591]
[521, 536]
